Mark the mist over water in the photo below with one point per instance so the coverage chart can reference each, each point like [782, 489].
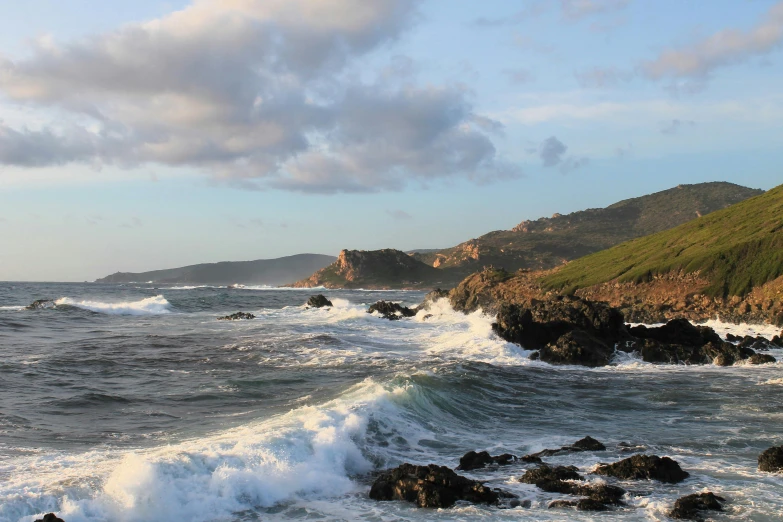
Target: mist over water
[134, 403]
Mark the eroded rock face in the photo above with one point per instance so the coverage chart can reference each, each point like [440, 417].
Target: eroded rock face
[237, 316]
[644, 467]
[771, 460]
[689, 507]
[477, 460]
[430, 487]
[318, 301]
[391, 311]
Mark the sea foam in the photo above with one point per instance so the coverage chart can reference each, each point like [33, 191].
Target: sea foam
[149, 306]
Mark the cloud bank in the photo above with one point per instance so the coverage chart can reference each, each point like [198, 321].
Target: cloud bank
[259, 93]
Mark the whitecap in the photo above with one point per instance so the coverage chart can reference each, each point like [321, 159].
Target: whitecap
[150, 306]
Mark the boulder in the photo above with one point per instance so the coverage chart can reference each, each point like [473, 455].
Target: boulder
[237, 317]
[42, 304]
[771, 460]
[430, 487]
[586, 444]
[577, 347]
[391, 311]
[318, 301]
[690, 506]
[547, 474]
[761, 358]
[640, 467]
[477, 460]
[50, 517]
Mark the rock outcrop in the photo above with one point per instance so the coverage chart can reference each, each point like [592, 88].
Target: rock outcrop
[644, 467]
[391, 311]
[430, 487]
[567, 480]
[586, 444]
[690, 507]
[477, 460]
[318, 301]
[237, 317]
[771, 460]
[50, 517]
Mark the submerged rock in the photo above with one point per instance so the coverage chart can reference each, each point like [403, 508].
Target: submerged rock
[689, 506]
[318, 301]
[640, 467]
[584, 504]
[42, 304]
[771, 460]
[586, 444]
[391, 311]
[430, 486]
[237, 316]
[477, 460]
[50, 517]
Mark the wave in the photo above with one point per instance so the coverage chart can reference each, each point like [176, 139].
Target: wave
[12, 308]
[310, 452]
[149, 306]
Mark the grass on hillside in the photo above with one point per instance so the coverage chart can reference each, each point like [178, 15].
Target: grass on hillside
[736, 249]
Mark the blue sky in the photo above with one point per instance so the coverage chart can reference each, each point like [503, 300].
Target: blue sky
[143, 135]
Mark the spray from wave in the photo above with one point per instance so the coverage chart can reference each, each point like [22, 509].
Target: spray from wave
[149, 306]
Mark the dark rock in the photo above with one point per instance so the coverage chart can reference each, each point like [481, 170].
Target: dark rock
[771, 460]
[584, 504]
[433, 296]
[577, 347]
[50, 517]
[430, 486]
[473, 460]
[546, 474]
[426, 317]
[677, 331]
[689, 506]
[318, 301]
[237, 316]
[650, 467]
[391, 311]
[777, 341]
[42, 304]
[532, 458]
[585, 444]
[733, 338]
[755, 343]
[761, 358]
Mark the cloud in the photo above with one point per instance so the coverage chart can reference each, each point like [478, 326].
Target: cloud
[531, 10]
[601, 77]
[399, 214]
[519, 76]
[674, 126]
[721, 49]
[257, 93]
[551, 151]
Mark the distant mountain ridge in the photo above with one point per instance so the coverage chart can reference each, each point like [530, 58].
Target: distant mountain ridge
[376, 269]
[273, 272]
[550, 242]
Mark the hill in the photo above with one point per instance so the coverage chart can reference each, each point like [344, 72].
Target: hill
[271, 272]
[733, 251]
[550, 242]
[377, 269]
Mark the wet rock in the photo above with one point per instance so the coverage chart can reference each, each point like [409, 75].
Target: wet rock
[50, 517]
[427, 317]
[577, 347]
[430, 486]
[391, 311]
[755, 343]
[477, 460]
[42, 304]
[690, 506]
[640, 467]
[761, 358]
[733, 338]
[584, 504]
[586, 444]
[432, 297]
[777, 341]
[237, 317]
[548, 474]
[318, 301]
[532, 458]
[771, 460]
[678, 332]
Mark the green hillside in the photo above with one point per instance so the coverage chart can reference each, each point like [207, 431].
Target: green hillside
[736, 249]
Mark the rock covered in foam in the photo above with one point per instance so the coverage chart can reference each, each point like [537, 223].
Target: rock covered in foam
[430, 486]
[771, 460]
[645, 467]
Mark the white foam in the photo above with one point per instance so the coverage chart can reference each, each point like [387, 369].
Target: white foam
[149, 306]
[13, 308]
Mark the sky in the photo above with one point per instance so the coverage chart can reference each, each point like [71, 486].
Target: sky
[139, 135]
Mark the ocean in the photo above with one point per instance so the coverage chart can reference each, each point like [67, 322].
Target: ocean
[133, 403]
